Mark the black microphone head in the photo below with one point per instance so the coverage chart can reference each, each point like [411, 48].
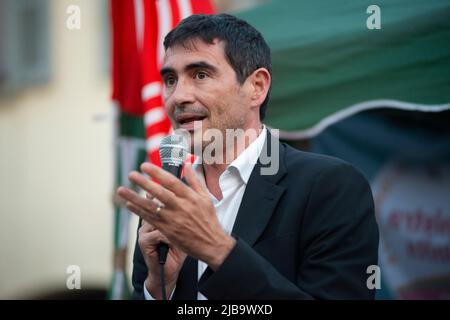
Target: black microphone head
[173, 149]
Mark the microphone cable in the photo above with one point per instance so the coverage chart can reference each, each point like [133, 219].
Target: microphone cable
[163, 249]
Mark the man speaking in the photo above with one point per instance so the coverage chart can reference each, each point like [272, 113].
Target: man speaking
[306, 230]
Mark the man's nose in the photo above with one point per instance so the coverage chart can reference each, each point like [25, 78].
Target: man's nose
[183, 93]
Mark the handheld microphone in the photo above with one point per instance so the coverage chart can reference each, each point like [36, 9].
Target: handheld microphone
[173, 151]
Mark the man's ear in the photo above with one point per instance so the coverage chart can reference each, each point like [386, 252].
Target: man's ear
[260, 81]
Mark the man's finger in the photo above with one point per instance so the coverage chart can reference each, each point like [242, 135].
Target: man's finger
[136, 199]
[165, 196]
[167, 180]
[144, 208]
[143, 214]
[153, 238]
[193, 181]
[146, 226]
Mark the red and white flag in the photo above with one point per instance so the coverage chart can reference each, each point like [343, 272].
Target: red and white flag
[126, 58]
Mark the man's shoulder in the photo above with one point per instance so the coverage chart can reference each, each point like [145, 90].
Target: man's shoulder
[303, 163]
[295, 158]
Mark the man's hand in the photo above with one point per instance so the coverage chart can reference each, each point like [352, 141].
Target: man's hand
[149, 239]
[188, 218]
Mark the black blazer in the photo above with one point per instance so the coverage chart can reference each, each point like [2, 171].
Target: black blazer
[307, 232]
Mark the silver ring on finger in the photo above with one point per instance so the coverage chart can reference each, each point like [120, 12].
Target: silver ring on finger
[158, 210]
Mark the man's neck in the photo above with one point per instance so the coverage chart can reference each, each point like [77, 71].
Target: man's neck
[213, 171]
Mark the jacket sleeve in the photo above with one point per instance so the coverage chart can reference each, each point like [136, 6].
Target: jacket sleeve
[140, 272]
[338, 240]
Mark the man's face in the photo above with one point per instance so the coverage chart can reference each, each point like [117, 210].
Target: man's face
[200, 85]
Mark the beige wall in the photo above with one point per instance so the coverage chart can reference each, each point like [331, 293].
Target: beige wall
[56, 166]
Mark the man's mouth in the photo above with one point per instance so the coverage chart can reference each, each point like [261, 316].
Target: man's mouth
[186, 121]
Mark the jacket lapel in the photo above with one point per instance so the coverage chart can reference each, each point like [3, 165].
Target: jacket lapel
[186, 288]
[260, 197]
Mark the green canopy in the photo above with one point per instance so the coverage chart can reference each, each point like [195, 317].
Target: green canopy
[328, 65]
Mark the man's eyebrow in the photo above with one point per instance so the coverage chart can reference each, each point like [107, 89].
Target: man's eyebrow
[166, 70]
[191, 66]
[200, 65]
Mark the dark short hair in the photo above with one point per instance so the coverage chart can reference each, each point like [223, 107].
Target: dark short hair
[245, 48]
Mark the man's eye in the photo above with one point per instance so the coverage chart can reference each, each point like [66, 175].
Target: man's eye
[201, 75]
[169, 81]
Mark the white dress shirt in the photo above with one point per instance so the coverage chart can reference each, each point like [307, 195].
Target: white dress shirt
[232, 182]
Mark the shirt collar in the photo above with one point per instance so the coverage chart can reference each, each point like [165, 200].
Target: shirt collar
[246, 161]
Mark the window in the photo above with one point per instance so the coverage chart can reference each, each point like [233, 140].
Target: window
[24, 44]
